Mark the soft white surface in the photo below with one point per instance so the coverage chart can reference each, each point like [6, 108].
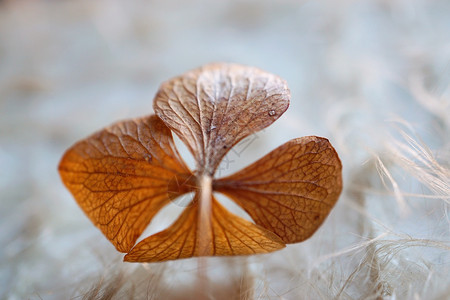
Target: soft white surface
[372, 76]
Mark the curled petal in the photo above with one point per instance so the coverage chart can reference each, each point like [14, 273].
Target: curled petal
[214, 107]
[227, 234]
[123, 175]
[291, 190]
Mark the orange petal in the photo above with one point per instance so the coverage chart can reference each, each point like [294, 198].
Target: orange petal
[291, 190]
[229, 234]
[121, 176]
[214, 107]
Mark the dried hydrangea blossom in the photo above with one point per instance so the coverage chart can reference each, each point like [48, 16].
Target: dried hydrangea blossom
[124, 174]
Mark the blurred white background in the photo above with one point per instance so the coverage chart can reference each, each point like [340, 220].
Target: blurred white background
[372, 76]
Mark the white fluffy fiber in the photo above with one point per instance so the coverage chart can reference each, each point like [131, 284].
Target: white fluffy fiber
[372, 76]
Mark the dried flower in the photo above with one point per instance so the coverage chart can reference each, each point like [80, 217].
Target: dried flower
[124, 174]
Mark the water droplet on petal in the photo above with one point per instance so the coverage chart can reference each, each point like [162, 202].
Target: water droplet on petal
[211, 128]
[272, 113]
[220, 140]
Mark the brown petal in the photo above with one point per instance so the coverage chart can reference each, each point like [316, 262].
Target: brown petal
[230, 235]
[291, 190]
[214, 107]
[121, 176]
